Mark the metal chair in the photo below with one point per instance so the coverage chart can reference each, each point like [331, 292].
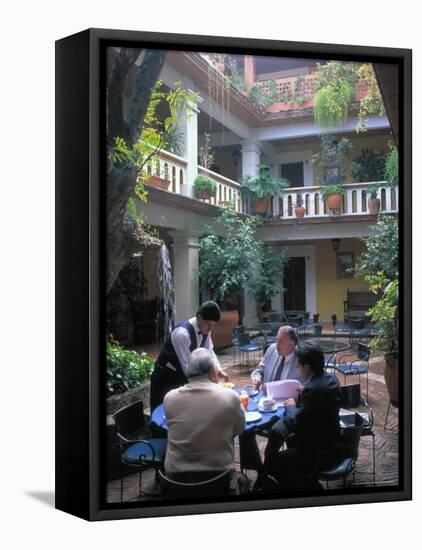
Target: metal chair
[134, 450]
[350, 440]
[356, 367]
[240, 329]
[247, 346]
[277, 318]
[358, 329]
[331, 362]
[352, 399]
[196, 484]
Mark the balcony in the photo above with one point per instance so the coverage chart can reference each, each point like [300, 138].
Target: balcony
[303, 89]
[355, 201]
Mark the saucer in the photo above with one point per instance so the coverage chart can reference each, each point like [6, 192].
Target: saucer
[253, 416]
[274, 408]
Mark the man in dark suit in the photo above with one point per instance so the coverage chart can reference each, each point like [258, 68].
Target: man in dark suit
[311, 426]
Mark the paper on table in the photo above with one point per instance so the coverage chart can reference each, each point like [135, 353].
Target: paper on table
[282, 389]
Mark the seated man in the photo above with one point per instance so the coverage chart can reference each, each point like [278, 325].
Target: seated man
[311, 425]
[202, 420]
[278, 363]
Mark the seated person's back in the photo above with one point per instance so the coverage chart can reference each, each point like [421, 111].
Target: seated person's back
[202, 420]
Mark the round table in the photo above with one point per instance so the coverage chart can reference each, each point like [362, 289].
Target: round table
[158, 417]
[329, 346]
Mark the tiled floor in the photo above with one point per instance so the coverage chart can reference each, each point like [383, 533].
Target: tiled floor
[386, 442]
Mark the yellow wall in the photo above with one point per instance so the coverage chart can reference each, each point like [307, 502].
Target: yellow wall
[330, 291]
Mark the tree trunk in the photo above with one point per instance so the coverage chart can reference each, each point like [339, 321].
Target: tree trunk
[122, 238]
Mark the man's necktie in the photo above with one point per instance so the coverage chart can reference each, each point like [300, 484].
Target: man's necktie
[204, 337]
[279, 369]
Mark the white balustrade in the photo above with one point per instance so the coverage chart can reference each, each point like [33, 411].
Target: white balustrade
[170, 167]
[355, 201]
[227, 190]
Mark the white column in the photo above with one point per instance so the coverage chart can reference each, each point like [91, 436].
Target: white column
[186, 262]
[251, 156]
[189, 126]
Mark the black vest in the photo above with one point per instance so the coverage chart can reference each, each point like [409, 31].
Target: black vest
[168, 353]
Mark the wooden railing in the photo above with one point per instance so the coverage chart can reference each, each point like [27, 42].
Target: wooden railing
[355, 201]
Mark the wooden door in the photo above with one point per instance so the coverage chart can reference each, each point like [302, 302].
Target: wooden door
[294, 283]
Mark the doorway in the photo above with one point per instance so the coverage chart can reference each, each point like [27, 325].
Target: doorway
[295, 284]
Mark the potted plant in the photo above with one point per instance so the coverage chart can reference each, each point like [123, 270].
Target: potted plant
[333, 194]
[227, 256]
[374, 203]
[267, 282]
[379, 267]
[300, 210]
[204, 187]
[332, 169]
[262, 188]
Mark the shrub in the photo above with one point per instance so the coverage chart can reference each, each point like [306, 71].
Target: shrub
[126, 369]
[392, 167]
[204, 184]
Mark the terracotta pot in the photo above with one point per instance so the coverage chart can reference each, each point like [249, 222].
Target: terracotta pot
[204, 195]
[156, 181]
[391, 376]
[373, 205]
[300, 211]
[335, 201]
[222, 331]
[260, 206]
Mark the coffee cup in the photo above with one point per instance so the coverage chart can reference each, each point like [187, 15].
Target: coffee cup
[267, 403]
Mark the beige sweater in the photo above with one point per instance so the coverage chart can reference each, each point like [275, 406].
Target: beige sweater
[202, 420]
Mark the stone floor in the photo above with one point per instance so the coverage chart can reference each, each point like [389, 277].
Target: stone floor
[386, 441]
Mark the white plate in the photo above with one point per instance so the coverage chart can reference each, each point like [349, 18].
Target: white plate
[268, 410]
[253, 416]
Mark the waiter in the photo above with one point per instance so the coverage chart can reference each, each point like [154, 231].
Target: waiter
[171, 365]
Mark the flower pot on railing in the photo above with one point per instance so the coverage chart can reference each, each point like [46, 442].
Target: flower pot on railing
[204, 195]
[156, 181]
[260, 206]
[300, 211]
[335, 201]
[373, 205]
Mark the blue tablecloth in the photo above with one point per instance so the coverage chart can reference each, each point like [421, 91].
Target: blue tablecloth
[158, 417]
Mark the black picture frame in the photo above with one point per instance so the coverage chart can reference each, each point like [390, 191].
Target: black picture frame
[80, 253]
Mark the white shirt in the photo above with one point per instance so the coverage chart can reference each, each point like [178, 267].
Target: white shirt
[180, 339]
[267, 368]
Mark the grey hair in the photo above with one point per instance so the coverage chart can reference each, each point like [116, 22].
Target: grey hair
[200, 363]
[291, 333]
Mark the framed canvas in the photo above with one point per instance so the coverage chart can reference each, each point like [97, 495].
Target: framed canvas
[345, 265]
[169, 151]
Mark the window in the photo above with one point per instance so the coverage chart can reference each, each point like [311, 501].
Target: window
[293, 173]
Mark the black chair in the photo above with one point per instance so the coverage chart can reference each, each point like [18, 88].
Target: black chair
[136, 451]
[352, 399]
[247, 346]
[277, 318]
[196, 484]
[240, 329]
[331, 362]
[315, 318]
[350, 442]
[358, 330]
[356, 367]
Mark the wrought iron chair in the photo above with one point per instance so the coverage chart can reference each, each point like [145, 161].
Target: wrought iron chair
[246, 345]
[277, 318]
[346, 467]
[357, 366]
[240, 329]
[352, 399]
[196, 484]
[358, 330]
[136, 451]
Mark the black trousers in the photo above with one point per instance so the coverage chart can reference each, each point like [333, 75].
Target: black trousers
[164, 379]
[250, 458]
